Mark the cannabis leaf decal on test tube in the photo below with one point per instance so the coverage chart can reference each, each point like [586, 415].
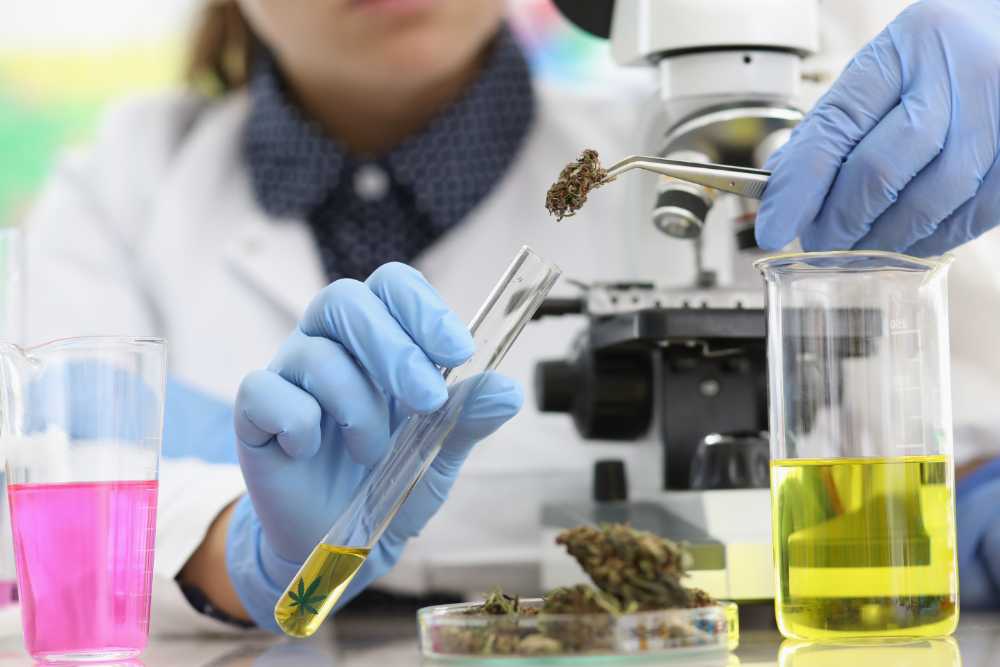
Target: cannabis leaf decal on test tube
[304, 598]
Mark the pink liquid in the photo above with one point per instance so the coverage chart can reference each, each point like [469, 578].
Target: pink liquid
[84, 554]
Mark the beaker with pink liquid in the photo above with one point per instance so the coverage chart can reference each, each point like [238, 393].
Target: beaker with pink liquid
[81, 423]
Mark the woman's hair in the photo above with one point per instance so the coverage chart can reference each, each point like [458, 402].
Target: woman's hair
[221, 50]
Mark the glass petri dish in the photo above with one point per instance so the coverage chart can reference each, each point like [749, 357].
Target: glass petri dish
[450, 633]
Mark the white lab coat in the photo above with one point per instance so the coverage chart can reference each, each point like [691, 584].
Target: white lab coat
[154, 230]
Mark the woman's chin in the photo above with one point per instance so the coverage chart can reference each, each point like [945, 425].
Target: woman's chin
[421, 63]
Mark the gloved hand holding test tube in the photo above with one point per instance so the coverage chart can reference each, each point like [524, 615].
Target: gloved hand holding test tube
[321, 581]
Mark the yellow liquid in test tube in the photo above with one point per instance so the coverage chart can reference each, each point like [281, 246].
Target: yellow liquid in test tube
[864, 547]
[323, 579]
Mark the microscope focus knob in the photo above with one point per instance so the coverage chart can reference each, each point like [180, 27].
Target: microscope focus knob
[731, 461]
[610, 395]
[681, 211]
[681, 207]
[556, 384]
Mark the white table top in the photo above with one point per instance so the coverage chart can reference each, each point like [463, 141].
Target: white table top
[388, 642]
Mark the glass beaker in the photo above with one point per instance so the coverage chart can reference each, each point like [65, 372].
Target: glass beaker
[80, 425]
[862, 474]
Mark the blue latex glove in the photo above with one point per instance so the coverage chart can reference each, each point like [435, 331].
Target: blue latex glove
[75, 397]
[88, 398]
[901, 153]
[197, 425]
[979, 541]
[364, 356]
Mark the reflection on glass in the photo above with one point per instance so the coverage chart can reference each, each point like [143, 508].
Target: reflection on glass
[941, 652]
[310, 653]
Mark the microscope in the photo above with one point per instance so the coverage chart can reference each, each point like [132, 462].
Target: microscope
[683, 366]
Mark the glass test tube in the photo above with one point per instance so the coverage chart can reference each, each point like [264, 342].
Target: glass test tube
[325, 575]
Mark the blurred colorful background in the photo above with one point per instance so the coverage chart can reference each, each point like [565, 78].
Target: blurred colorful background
[61, 61]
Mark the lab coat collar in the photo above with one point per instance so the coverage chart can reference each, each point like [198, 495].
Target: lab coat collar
[293, 164]
[295, 167]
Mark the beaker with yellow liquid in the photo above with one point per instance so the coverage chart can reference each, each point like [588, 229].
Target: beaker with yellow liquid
[862, 474]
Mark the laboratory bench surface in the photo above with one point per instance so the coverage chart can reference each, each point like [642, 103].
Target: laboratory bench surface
[390, 640]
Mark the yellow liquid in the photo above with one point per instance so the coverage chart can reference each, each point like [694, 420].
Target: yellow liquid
[864, 547]
[313, 594]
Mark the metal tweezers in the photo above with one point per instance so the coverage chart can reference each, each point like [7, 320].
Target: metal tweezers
[741, 181]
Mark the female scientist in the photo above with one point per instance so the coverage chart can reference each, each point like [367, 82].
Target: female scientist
[348, 134]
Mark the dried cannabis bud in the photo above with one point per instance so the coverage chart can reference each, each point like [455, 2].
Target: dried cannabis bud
[583, 599]
[631, 565]
[593, 614]
[498, 603]
[633, 571]
[569, 193]
[700, 598]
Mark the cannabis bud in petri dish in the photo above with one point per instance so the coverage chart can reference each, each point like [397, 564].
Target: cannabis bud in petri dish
[632, 571]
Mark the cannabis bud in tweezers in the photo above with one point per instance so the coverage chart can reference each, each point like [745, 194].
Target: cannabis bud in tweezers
[569, 193]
